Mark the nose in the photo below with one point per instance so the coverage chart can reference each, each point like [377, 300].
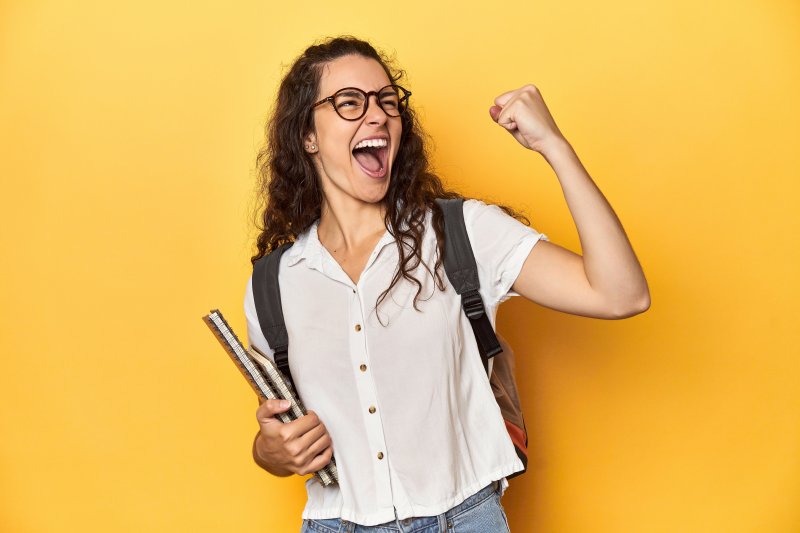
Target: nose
[375, 113]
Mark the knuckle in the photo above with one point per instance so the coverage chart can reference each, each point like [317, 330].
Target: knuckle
[293, 449]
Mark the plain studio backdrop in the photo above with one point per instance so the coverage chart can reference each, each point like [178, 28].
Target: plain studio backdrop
[128, 134]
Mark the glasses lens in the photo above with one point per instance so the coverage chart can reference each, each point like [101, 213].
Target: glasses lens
[350, 103]
[392, 101]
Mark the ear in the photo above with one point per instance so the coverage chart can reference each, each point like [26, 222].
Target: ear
[310, 143]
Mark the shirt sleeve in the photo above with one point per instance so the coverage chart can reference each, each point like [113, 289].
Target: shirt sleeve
[255, 337]
[501, 244]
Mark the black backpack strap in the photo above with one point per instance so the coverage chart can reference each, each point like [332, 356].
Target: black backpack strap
[267, 297]
[462, 271]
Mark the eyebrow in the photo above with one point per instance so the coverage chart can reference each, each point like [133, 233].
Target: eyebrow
[384, 92]
[350, 93]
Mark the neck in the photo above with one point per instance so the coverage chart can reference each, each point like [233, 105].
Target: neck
[347, 223]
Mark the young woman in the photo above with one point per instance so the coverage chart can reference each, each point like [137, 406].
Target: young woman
[381, 352]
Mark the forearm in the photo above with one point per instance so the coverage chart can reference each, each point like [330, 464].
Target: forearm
[275, 471]
[609, 262]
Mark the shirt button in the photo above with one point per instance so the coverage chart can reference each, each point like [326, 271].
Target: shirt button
[371, 408]
[380, 455]
[358, 327]
[363, 368]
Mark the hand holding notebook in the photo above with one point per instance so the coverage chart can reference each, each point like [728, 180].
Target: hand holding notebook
[300, 447]
[269, 383]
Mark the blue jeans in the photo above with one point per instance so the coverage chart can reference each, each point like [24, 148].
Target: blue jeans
[479, 513]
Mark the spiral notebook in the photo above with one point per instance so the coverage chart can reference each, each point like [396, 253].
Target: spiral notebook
[265, 379]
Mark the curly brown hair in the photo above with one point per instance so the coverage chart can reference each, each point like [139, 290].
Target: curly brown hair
[289, 191]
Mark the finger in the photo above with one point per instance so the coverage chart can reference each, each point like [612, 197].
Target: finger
[506, 119]
[503, 99]
[299, 427]
[311, 438]
[316, 446]
[321, 460]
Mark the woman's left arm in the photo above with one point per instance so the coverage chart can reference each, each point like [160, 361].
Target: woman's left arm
[607, 281]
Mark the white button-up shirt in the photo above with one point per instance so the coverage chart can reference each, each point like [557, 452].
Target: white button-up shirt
[403, 394]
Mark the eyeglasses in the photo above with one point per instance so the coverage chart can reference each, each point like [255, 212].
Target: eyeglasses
[351, 103]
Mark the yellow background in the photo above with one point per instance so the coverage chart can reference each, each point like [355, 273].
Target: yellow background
[128, 133]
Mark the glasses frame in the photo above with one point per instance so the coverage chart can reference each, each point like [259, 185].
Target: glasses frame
[404, 97]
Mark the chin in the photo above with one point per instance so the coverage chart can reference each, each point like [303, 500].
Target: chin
[369, 190]
[374, 197]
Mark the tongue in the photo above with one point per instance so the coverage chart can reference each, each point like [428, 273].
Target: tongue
[368, 160]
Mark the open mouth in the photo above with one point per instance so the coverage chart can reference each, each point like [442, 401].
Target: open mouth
[372, 160]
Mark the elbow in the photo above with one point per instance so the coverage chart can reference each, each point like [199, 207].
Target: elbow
[632, 307]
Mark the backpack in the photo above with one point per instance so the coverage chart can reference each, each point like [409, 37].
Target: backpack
[462, 272]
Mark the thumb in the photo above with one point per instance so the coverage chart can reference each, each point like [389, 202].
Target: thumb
[494, 112]
[268, 409]
[280, 405]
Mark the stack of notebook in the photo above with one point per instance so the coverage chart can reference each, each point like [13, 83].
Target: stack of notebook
[266, 380]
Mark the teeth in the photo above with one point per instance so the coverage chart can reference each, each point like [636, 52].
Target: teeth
[371, 142]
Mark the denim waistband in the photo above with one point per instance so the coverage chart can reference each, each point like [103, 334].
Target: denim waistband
[412, 524]
[478, 497]
[467, 504]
